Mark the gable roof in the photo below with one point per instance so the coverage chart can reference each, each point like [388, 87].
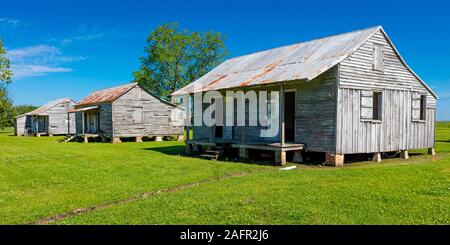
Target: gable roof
[302, 61]
[107, 95]
[114, 93]
[41, 110]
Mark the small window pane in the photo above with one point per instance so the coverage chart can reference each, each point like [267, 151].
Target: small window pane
[377, 102]
[423, 107]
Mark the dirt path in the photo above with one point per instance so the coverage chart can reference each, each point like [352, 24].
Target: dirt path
[61, 216]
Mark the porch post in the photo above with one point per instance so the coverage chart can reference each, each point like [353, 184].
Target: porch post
[281, 112]
[280, 157]
[68, 123]
[245, 113]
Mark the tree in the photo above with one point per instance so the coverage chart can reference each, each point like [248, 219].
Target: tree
[6, 107]
[5, 71]
[173, 58]
[22, 109]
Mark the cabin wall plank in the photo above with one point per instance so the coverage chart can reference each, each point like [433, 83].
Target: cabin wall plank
[397, 130]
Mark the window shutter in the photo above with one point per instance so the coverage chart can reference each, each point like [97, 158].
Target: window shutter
[366, 104]
[137, 115]
[415, 106]
[378, 51]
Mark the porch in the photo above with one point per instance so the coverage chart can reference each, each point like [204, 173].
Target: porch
[244, 147]
[236, 136]
[39, 125]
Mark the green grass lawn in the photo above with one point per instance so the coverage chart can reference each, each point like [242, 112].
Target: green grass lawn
[40, 177]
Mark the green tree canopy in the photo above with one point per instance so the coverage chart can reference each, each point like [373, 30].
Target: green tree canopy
[5, 71]
[22, 109]
[6, 106]
[6, 109]
[174, 58]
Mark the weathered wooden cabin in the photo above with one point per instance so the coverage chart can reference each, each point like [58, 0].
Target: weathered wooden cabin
[344, 94]
[49, 119]
[126, 111]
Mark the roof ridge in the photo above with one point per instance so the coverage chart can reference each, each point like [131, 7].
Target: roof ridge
[308, 41]
[116, 86]
[87, 100]
[47, 106]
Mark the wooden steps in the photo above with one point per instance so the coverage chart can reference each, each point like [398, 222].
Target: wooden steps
[68, 138]
[214, 153]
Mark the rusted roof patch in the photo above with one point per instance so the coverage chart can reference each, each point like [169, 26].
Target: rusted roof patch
[302, 61]
[106, 95]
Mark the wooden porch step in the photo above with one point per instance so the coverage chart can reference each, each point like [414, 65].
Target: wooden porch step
[213, 152]
[209, 156]
[68, 138]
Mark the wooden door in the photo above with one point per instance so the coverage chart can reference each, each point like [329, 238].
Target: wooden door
[289, 116]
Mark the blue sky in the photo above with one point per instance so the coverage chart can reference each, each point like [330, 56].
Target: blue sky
[70, 48]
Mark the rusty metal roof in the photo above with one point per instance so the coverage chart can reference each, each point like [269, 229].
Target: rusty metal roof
[88, 108]
[302, 61]
[41, 110]
[106, 95]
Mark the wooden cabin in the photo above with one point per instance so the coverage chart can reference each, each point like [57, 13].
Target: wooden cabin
[126, 111]
[345, 94]
[49, 119]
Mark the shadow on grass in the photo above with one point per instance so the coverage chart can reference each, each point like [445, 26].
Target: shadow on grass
[443, 141]
[229, 156]
[174, 150]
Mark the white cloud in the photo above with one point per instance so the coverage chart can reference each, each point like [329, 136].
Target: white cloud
[39, 60]
[21, 71]
[10, 22]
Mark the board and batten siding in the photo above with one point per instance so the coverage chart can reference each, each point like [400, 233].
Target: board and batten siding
[154, 117]
[58, 120]
[19, 125]
[397, 130]
[315, 112]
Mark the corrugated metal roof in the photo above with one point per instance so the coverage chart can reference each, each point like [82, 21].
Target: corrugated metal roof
[41, 110]
[106, 95]
[84, 109]
[302, 61]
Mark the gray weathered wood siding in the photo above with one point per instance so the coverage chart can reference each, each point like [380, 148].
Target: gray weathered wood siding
[19, 125]
[315, 115]
[397, 130]
[78, 123]
[155, 114]
[106, 119]
[58, 120]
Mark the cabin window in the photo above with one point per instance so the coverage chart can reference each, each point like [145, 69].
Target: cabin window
[423, 107]
[377, 106]
[378, 59]
[371, 105]
[137, 115]
[419, 107]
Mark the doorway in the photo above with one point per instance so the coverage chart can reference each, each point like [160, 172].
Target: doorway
[91, 122]
[289, 116]
[219, 132]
